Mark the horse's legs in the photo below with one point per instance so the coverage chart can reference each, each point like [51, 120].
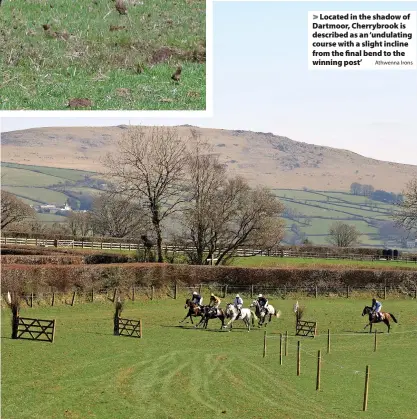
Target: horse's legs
[386, 321]
[370, 328]
[185, 317]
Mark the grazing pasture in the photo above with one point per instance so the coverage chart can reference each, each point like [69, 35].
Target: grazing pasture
[177, 372]
[56, 51]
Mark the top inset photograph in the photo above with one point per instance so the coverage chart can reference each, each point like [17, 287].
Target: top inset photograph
[103, 55]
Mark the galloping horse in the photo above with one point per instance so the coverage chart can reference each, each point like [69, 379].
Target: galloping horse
[245, 315]
[212, 313]
[374, 318]
[194, 310]
[262, 313]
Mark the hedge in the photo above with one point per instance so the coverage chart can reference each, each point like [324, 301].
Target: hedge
[84, 277]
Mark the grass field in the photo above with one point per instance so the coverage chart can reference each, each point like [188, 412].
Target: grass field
[178, 372]
[91, 51]
[287, 262]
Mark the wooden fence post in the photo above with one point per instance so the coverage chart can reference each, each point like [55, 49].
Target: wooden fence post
[133, 293]
[140, 328]
[73, 298]
[225, 291]
[318, 370]
[328, 341]
[92, 295]
[316, 292]
[31, 299]
[53, 331]
[114, 294]
[298, 358]
[175, 291]
[264, 354]
[375, 342]
[365, 394]
[153, 291]
[200, 288]
[53, 299]
[286, 343]
[280, 349]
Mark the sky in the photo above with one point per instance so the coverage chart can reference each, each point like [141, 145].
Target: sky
[262, 83]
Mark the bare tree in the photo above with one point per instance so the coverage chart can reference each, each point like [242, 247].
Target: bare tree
[79, 223]
[13, 210]
[149, 168]
[406, 216]
[117, 217]
[223, 214]
[342, 235]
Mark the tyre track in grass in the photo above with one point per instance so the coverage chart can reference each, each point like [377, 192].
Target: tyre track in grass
[295, 397]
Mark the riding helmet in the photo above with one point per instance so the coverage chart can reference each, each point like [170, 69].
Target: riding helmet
[260, 295]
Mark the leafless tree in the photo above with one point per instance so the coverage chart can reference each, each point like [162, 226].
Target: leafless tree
[117, 217]
[149, 169]
[79, 223]
[406, 216]
[223, 214]
[13, 210]
[342, 235]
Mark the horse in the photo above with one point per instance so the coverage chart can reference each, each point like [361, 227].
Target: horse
[374, 318]
[194, 310]
[245, 315]
[262, 313]
[212, 313]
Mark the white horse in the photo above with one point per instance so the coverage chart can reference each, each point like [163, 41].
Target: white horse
[263, 312]
[233, 314]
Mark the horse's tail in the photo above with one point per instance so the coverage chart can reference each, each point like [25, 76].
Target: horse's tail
[278, 314]
[393, 317]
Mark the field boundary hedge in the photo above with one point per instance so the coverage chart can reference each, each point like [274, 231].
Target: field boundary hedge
[41, 278]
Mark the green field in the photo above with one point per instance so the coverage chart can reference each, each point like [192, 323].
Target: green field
[179, 372]
[288, 262]
[91, 51]
[326, 207]
[18, 173]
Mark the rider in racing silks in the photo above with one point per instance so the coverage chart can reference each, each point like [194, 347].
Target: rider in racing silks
[376, 307]
[238, 303]
[263, 302]
[214, 301]
[196, 298]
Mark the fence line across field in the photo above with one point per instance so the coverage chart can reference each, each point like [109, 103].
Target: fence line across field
[223, 291]
[106, 245]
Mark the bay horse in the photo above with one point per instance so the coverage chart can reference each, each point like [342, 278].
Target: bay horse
[262, 313]
[375, 318]
[212, 313]
[194, 310]
[233, 314]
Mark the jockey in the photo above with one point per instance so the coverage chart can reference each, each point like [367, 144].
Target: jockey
[238, 303]
[376, 307]
[196, 298]
[263, 302]
[214, 301]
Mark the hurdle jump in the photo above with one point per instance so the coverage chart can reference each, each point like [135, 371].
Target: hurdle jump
[304, 328]
[129, 327]
[35, 329]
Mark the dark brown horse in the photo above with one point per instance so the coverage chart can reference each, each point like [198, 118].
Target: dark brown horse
[194, 310]
[378, 317]
[212, 313]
